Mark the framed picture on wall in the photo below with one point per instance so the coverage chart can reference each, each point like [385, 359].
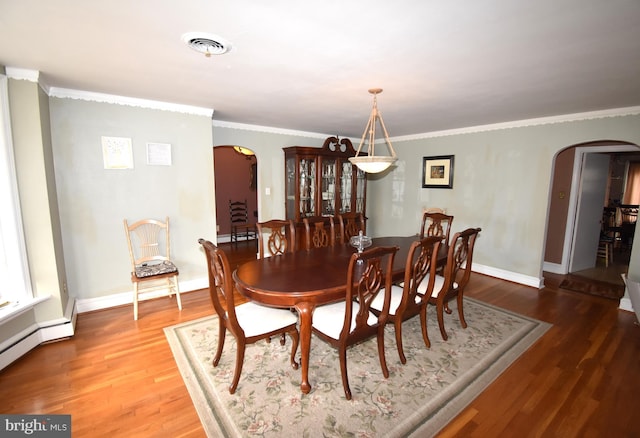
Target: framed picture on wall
[437, 172]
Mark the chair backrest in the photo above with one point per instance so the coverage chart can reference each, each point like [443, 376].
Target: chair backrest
[221, 285]
[351, 224]
[434, 210]
[238, 212]
[319, 231]
[436, 224]
[459, 259]
[369, 274]
[421, 263]
[148, 241]
[276, 237]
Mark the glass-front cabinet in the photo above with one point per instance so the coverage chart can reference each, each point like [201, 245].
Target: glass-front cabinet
[322, 181]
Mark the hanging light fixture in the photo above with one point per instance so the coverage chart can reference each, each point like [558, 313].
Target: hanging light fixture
[372, 163]
[243, 151]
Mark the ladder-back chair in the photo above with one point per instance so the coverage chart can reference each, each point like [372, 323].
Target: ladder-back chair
[150, 253]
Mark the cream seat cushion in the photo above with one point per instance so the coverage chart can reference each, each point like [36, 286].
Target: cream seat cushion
[256, 319]
[329, 319]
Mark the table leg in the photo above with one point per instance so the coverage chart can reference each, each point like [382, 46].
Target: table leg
[305, 311]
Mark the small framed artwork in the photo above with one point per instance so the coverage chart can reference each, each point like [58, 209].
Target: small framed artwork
[437, 172]
[117, 153]
[158, 154]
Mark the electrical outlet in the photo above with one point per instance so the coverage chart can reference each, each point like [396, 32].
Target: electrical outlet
[217, 228]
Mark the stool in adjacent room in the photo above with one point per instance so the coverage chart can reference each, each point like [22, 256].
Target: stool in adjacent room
[605, 251]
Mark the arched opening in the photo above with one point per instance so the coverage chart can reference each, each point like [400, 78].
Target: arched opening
[588, 179]
[235, 179]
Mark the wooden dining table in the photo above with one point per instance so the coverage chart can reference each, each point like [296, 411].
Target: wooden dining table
[307, 278]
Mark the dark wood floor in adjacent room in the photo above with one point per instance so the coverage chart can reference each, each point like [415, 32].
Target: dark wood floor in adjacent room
[117, 377]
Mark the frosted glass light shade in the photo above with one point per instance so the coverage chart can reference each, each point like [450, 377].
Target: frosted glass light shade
[374, 164]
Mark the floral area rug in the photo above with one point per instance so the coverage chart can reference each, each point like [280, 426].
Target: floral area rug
[418, 398]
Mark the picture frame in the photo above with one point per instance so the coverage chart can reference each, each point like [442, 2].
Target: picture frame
[437, 172]
[159, 154]
[117, 153]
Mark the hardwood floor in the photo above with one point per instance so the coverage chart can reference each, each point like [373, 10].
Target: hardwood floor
[117, 377]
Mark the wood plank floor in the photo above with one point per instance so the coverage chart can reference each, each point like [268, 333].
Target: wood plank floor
[117, 377]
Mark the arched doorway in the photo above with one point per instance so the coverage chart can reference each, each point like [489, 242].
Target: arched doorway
[566, 215]
[235, 179]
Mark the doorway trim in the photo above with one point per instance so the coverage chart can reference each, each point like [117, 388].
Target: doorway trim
[574, 195]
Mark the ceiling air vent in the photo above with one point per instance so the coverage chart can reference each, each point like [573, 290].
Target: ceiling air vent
[206, 43]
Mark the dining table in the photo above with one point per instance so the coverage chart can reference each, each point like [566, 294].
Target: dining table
[305, 279]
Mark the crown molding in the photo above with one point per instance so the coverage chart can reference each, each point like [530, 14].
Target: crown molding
[615, 112]
[34, 76]
[268, 129]
[22, 74]
[66, 93]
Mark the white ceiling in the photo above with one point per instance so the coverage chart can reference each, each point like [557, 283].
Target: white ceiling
[307, 65]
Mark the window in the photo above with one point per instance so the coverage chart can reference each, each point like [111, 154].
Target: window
[632, 190]
[15, 286]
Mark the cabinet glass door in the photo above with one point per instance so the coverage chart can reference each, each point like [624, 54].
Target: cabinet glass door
[346, 178]
[307, 168]
[361, 185]
[328, 186]
[290, 167]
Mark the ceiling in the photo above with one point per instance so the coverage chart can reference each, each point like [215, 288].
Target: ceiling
[307, 65]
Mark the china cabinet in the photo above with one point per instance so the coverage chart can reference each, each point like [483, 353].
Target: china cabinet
[322, 182]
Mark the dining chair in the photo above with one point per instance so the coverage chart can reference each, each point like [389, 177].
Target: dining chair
[247, 322]
[351, 224]
[351, 321]
[406, 302]
[240, 225]
[276, 237]
[150, 253]
[319, 231]
[456, 274]
[436, 224]
[434, 210]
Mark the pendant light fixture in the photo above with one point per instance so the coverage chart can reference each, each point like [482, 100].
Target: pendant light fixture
[372, 163]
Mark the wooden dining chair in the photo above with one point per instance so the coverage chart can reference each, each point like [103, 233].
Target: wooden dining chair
[319, 231]
[247, 322]
[150, 253]
[241, 227]
[351, 224]
[276, 237]
[455, 277]
[436, 224]
[349, 322]
[406, 302]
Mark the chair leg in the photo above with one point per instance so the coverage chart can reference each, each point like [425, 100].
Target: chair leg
[135, 301]
[222, 331]
[295, 338]
[177, 291]
[398, 330]
[383, 359]
[239, 363]
[423, 323]
[461, 311]
[440, 312]
[342, 353]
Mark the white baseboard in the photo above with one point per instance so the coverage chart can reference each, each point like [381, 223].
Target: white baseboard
[509, 276]
[17, 346]
[625, 304]
[554, 268]
[124, 298]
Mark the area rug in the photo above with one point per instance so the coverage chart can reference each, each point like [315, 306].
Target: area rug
[593, 287]
[418, 398]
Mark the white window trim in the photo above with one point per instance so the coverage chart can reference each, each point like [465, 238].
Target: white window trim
[12, 233]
